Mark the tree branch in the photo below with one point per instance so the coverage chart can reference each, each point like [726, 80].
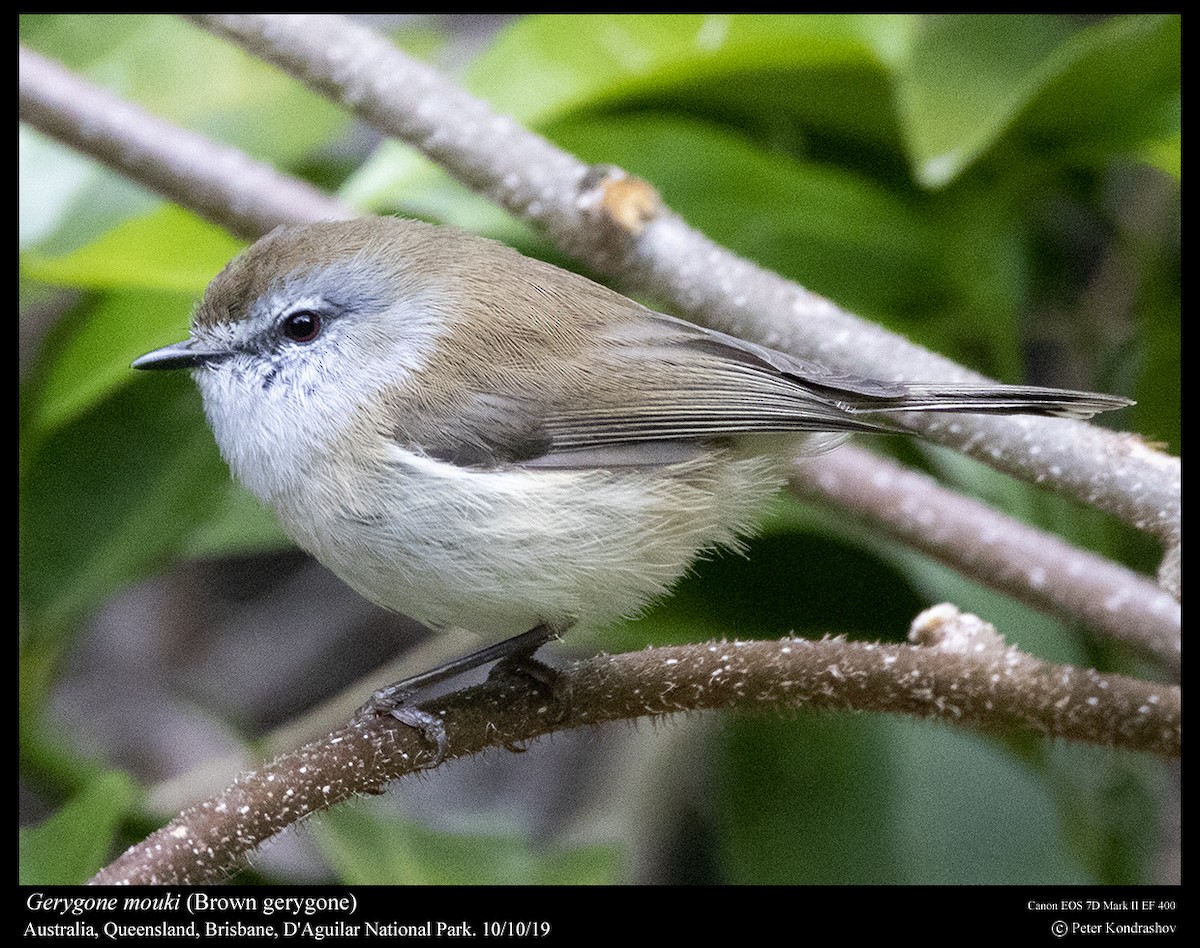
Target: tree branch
[222, 184]
[978, 541]
[958, 670]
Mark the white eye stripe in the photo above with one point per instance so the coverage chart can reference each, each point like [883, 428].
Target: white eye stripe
[289, 307]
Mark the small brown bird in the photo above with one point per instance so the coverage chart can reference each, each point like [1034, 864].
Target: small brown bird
[475, 438]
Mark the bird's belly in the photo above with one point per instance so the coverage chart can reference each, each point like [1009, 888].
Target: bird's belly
[500, 551]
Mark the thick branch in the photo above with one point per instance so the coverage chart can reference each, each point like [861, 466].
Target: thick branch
[654, 250]
[959, 671]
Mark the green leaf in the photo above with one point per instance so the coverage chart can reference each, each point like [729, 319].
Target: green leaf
[1118, 85]
[86, 359]
[112, 493]
[169, 250]
[1093, 93]
[968, 78]
[773, 72]
[967, 811]
[544, 67]
[75, 843]
[156, 267]
[1108, 811]
[373, 848]
[880, 800]
[1166, 154]
[1158, 414]
[239, 524]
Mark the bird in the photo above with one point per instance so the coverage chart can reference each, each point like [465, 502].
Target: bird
[480, 439]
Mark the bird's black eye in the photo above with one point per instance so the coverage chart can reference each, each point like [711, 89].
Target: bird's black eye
[302, 326]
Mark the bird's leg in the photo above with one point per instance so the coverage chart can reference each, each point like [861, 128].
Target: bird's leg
[514, 654]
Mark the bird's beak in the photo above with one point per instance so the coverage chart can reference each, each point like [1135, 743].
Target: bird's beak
[179, 355]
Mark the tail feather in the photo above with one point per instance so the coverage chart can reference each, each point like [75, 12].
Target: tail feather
[986, 398]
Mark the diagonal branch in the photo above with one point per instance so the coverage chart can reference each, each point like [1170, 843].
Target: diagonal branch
[222, 184]
[1035, 567]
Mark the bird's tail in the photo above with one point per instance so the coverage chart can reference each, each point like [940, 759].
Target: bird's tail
[985, 398]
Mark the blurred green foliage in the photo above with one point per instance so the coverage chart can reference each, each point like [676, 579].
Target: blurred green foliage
[1003, 189]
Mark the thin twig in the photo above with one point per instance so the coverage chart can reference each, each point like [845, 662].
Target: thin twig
[1031, 565]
